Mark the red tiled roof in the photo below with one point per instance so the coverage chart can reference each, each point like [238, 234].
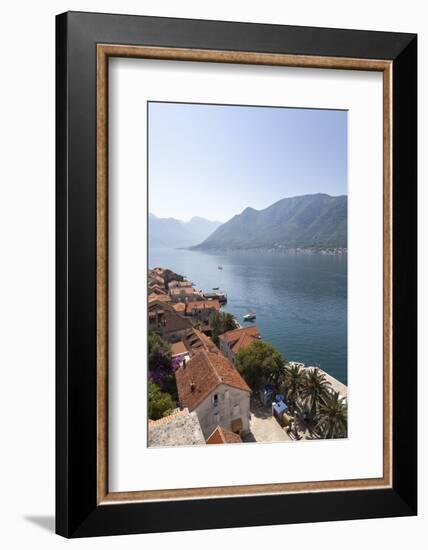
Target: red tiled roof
[221, 435]
[156, 289]
[174, 322]
[171, 321]
[180, 291]
[153, 276]
[202, 304]
[158, 305]
[160, 297]
[202, 374]
[240, 337]
[194, 340]
[178, 348]
[179, 306]
[207, 342]
[166, 419]
[180, 284]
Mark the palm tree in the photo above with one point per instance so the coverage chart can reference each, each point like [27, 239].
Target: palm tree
[293, 380]
[304, 420]
[315, 390]
[332, 420]
[229, 321]
[221, 322]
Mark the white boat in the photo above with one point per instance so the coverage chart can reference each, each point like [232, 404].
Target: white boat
[250, 316]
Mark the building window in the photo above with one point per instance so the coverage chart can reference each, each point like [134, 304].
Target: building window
[216, 418]
[235, 410]
[215, 399]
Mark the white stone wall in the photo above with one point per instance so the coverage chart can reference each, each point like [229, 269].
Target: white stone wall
[232, 403]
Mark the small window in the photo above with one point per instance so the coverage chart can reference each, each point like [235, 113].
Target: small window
[216, 418]
[215, 399]
[235, 410]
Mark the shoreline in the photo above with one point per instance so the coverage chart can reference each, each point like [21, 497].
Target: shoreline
[337, 384]
[333, 251]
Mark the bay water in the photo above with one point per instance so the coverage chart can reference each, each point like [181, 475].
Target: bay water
[300, 300]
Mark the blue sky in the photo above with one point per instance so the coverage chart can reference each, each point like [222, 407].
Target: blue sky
[215, 160]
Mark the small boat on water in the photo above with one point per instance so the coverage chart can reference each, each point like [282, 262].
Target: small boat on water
[216, 288]
[250, 316]
[220, 267]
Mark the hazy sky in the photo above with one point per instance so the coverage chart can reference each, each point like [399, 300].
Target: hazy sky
[213, 161]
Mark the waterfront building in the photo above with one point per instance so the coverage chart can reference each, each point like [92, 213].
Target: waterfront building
[234, 340]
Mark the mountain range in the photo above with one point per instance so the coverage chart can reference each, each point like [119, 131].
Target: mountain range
[308, 221]
[173, 233]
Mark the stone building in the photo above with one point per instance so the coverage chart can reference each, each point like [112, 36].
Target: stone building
[179, 428]
[209, 385]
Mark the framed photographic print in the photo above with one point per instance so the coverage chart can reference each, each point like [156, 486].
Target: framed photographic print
[236, 274]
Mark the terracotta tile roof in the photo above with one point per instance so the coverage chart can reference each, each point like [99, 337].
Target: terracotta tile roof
[169, 319]
[194, 340]
[159, 306]
[157, 289]
[174, 322]
[180, 291]
[202, 374]
[180, 284]
[153, 276]
[240, 337]
[202, 304]
[178, 348]
[168, 418]
[179, 306]
[221, 435]
[161, 297]
[207, 343]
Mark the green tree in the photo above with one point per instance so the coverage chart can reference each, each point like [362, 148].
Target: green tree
[303, 418]
[159, 351]
[160, 403]
[292, 378]
[229, 322]
[332, 421]
[259, 363]
[160, 364]
[220, 323]
[315, 389]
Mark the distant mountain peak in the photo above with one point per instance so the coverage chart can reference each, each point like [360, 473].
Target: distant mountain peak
[249, 210]
[318, 220]
[174, 233]
[204, 220]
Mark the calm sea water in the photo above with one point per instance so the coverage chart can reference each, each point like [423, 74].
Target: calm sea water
[300, 300]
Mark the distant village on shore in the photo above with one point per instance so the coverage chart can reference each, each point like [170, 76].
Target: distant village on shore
[213, 381]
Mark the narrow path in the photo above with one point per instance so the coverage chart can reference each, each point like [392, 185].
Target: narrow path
[264, 428]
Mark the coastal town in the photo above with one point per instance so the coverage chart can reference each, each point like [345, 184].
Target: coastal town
[213, 381]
